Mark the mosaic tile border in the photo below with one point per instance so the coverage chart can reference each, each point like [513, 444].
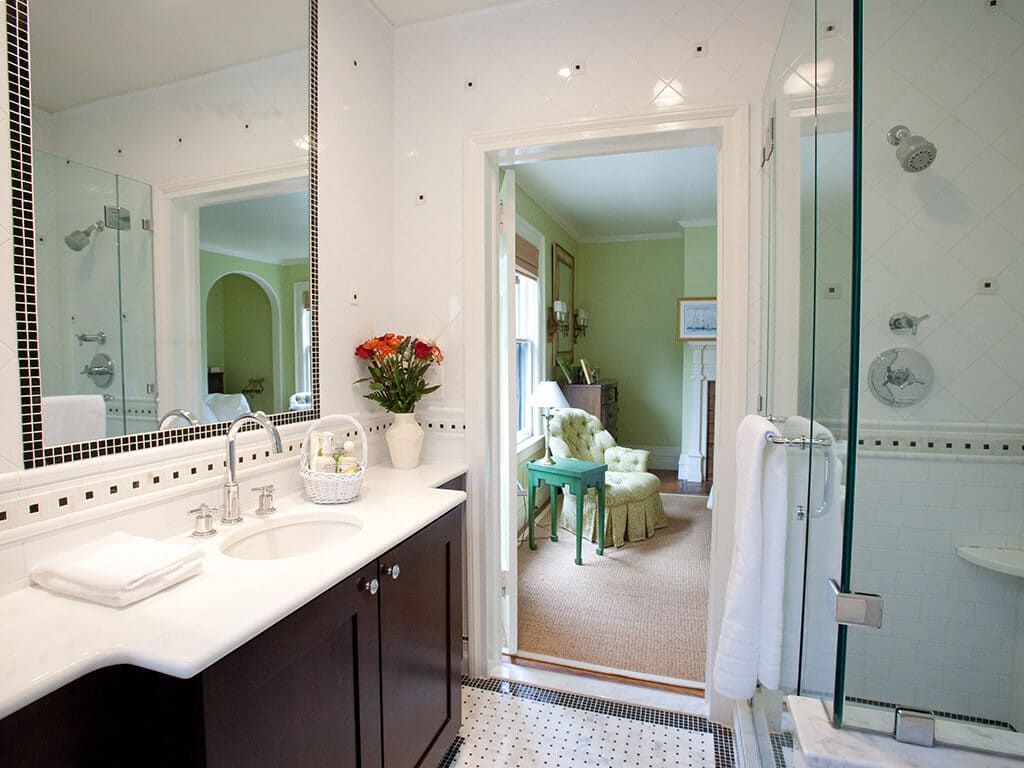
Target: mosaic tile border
[949, 444]
[725, 753]
[35, 454]
[948, 715]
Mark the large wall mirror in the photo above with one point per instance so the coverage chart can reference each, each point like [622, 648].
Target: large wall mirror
[165, 219]
[563, 289]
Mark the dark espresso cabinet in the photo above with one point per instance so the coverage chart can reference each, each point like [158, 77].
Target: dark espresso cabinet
[364, 676]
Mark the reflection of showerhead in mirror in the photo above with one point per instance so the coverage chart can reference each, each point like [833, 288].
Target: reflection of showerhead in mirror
[914, 153]
[79, 239]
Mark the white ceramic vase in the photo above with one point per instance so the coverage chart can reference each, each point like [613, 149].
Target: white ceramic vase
[405, 441]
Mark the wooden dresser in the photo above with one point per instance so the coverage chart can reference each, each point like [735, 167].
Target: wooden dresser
[601, 400]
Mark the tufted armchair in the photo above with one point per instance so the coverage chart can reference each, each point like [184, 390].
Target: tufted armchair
[632, 501]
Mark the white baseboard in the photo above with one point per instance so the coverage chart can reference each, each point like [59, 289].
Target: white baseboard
[690, 468]
[662, 456]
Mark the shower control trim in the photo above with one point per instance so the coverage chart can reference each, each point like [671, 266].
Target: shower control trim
[99, 338]
[901, 322]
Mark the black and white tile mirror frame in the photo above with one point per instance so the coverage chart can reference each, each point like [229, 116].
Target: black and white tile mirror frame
[35, 454]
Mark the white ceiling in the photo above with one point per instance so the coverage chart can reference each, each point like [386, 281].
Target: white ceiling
[84, 51]
[402, 12]
[636, 194]
[271, 229]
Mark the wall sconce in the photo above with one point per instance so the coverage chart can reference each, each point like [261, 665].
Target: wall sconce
[580, 324]
[558, 319]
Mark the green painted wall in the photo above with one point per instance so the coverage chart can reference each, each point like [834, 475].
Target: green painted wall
[239, 341]
[629, 289]
[281, 278]
[553, 233]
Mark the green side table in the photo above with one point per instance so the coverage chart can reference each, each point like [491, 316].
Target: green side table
[579, 476]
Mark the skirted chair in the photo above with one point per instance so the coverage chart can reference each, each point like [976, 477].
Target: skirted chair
[633, 506]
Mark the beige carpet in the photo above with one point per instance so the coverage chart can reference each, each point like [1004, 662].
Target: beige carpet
[642, 607]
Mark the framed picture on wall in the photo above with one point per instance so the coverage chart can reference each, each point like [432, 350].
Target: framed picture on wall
[697, 319]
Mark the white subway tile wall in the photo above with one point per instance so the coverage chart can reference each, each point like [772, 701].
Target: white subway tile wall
[948, 639]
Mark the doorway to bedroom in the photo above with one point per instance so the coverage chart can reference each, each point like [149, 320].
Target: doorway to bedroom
[610, 250]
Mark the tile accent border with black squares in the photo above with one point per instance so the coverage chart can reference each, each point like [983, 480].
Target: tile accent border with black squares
[35, 454]
[725, 754]
[948, 715]
[976, 444]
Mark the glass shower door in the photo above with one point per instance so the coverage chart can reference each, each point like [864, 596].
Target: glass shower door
[937, 523]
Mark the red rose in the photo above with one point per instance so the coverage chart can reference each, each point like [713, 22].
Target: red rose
[422, 350]
[362, 351]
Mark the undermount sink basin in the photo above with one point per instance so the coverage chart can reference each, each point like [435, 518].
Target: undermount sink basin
[291, 538]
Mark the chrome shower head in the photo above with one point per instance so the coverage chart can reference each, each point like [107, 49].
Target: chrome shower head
[79, 239]
[915, 153]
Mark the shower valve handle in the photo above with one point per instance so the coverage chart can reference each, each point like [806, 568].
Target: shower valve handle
[901, 322]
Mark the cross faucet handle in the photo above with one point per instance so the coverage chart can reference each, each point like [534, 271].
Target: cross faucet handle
[204, 520]
[266, 505]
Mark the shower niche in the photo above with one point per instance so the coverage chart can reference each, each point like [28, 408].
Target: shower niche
[95, 300]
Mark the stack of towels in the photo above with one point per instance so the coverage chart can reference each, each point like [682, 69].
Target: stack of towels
[118, 570]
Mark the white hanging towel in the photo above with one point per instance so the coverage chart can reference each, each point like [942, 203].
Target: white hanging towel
[750, 643]
[118, 569]
[73, 419]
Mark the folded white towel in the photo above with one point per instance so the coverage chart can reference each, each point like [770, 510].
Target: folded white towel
[750, 644]
[118, 569]
[224, 407]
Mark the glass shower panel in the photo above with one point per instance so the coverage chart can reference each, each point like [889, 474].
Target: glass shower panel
[135, 246]
[77, 294]
[938, 524]
[788, 317]
[95, 301]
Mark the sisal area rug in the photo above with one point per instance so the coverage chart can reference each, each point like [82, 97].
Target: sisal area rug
[641, 607]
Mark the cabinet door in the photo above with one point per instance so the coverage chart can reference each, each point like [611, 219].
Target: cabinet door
[305, 692]
[421, 644]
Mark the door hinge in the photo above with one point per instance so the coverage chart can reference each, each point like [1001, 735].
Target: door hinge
[116, 217]
[504, 583]
[861, 609]
[501, 213]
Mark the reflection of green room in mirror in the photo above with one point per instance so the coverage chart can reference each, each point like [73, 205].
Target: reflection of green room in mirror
[254, 280]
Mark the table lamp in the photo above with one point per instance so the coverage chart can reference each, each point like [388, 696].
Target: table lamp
[547, 395]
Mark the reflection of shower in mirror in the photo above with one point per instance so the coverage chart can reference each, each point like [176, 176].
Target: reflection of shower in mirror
[79, 239]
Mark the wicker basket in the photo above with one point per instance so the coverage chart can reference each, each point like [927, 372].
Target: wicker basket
[328, 487]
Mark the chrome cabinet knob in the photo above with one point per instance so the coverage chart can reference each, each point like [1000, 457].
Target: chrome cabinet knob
[394, 571]
[372, 586]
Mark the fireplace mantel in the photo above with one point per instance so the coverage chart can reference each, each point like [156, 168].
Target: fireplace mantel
[693, 456]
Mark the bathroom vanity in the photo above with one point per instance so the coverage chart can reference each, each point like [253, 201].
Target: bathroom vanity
[366, 673]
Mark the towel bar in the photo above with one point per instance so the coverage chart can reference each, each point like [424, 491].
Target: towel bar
[799, 442]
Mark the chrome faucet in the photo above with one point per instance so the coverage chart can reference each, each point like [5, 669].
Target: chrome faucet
[232, 513]
[175, 413]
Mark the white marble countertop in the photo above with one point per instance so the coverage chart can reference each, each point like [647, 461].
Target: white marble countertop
[824, 746]
[50, 640]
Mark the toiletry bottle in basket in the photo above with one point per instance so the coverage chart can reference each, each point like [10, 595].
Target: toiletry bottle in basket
[345, 459]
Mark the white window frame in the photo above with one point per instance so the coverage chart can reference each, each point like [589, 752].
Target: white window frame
[536, 238]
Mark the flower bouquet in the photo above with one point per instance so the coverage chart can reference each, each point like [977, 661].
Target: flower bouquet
[398, 368]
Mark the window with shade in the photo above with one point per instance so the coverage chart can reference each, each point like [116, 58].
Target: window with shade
[527, 326]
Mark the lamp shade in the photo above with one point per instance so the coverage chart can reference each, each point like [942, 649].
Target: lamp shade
[547, 395]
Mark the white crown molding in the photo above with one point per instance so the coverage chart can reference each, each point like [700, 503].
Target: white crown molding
[631, 238]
